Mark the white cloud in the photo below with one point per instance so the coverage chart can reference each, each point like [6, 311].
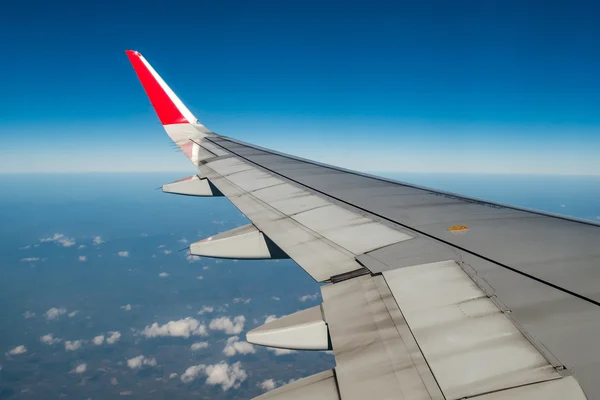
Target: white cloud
[126, 307]
[241, 300]
[267, 384]
[82, 258]
[123, 254]
[227, 325]
[163, 274]
[275, 298]
[49, 339]
[60, 239]
[563, 205]
[160, 246]
[74, 345]
[206, 267]
[97, 240]
[98, 340]
[81, 246]
[270, 318]
[55, 312]
[141, 361]
[113, 337]
[307, 297]
[192, 258]
[200, 277]
[206, 310]
[17, 350]
[143, 234]
[30, 259]
[68, 242]
[181, 328]
[281, 352]
[167, 252]
[80, 369]
[173, 375]
[198, 346]
[234, 346]
[228, 376]
[183, 240]
[25, 247]
[73, 313]
[28, 314]
[192, 373]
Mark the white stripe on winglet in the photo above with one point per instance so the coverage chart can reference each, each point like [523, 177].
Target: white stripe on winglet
[178, 103]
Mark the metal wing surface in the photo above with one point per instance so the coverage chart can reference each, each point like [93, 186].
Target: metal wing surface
[426, 295]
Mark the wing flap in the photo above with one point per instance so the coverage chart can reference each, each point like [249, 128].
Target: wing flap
[559, 389]
[373, 360]
[455, 323]
[321, 386]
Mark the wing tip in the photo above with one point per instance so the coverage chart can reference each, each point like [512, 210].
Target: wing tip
[168, 107]
[130, 53]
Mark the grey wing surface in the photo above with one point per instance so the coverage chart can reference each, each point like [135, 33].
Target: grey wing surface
[426, 295]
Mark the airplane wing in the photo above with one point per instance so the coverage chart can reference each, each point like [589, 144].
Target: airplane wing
[428, 294]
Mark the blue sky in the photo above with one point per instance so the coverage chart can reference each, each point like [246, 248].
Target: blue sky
[463, 86]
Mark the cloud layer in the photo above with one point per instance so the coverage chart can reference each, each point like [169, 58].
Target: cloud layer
[205, 310]
[60, 239]
[80, 369]
[225, 324]
[141, 361]
[235, 346]
[181, 328]
[267, 384]
[309, 297]
[223, 374]
[113, 337]
[98, 340]
[198, 346]
[49, 339]
[55, 312]
[73, 345]
[17, 350]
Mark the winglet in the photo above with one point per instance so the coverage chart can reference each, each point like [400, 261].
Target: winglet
[168, 107]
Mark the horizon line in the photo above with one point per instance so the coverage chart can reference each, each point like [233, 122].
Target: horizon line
[365, 172]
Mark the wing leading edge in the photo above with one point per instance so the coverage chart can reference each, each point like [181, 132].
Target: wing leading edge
[409, 312]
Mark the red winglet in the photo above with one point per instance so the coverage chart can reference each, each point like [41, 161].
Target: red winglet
[165, 108]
